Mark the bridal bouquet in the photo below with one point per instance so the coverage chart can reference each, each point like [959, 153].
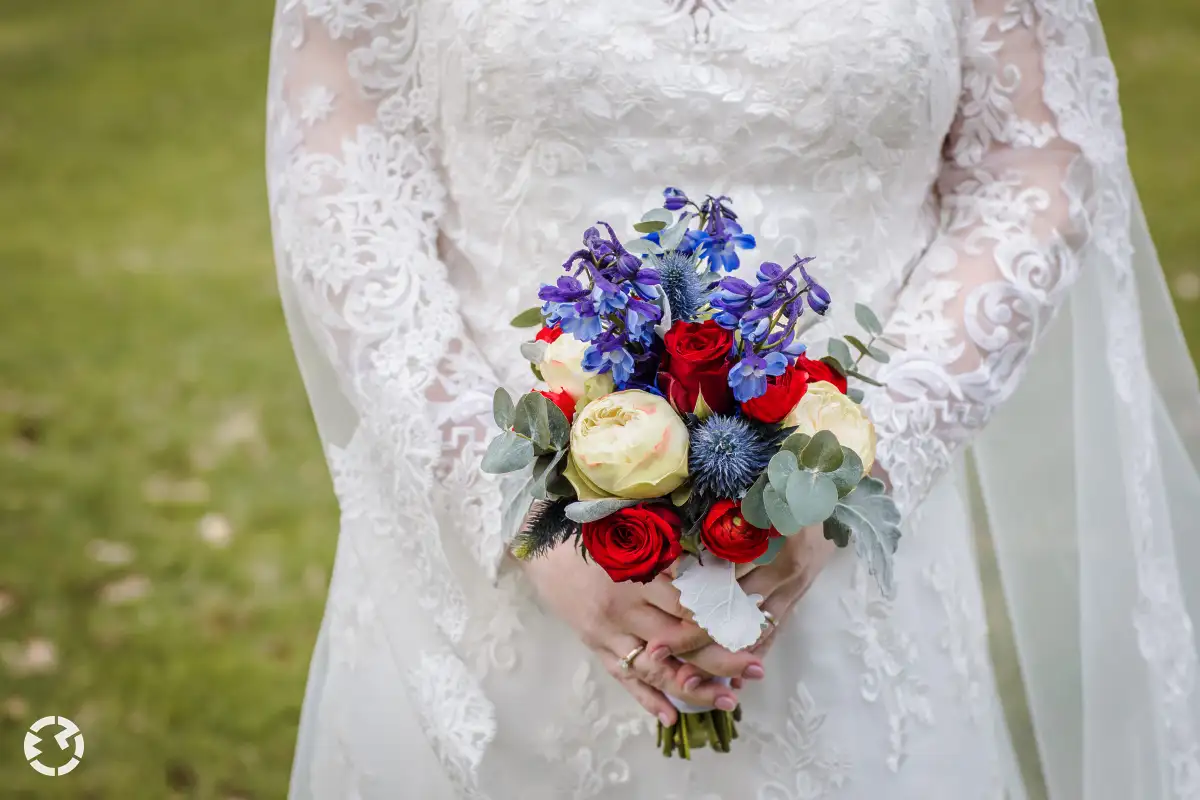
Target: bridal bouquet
[683, 424]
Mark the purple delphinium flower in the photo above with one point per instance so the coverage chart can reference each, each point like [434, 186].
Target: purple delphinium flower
[674, 199]
[748, 377]
[818, 299]
[732, 300]
[608, 353]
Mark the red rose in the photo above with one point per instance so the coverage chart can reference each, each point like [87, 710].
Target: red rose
[548, 335]
[634, 544]
[820, 371]
[697, 360]
[564, 402]
[728, 535]
[782, 395]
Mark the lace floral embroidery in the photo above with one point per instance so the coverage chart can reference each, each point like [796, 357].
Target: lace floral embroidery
[889, 658]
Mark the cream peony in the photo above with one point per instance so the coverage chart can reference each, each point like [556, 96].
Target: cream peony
[627, 444]
[562, 369]
[824, 408]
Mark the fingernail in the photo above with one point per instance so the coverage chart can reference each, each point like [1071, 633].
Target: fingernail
[660, 654]
[726, 703]
[754, 672]
[691, 683]
[665, 719]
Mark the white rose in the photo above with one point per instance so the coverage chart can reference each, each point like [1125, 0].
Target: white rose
[627, 444]
[562, 369]
[824, 408]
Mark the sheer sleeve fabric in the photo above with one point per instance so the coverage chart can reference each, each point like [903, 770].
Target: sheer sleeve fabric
[356, 198]
[1007, 254]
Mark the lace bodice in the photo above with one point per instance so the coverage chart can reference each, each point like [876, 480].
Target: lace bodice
[951, 163]
[436, 160]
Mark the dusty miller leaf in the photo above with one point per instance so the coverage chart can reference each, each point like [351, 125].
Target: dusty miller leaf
[869, 517]
[592, 510]
[718, 603]
[533, 352]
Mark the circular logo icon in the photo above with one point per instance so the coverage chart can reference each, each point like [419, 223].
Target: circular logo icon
[33, 752]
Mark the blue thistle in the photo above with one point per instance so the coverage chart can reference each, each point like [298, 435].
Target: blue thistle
[728, 454]
[680, 283]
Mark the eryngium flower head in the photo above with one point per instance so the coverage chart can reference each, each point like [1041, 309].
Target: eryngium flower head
[680, 283]
[727, 455]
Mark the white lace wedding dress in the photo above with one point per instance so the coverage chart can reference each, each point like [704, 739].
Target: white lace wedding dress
[957, 164]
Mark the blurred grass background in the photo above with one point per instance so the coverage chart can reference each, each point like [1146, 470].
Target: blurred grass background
[165, 518]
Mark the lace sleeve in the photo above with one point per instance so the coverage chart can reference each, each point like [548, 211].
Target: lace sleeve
[1007, 253]
[356, 198]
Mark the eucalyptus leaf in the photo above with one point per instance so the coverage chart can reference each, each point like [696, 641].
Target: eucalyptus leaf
[502, 408]
[859, 345]
[592, 510]
[545, 472]
[847, 476]
[649, 226]
[753, 508]
[839, 350]
[811, 496]
[560, 428]
[779, 513]
[855, 394]
[508, 452]
[889, 342]
[823, 453]
[534, 352]
[855, 374]
[872, 519]
[529, 318]
[866, 317]
[796, 443]
[640, 247]
[781, 465]
[879, 355]
[773, 548]
[532, 419]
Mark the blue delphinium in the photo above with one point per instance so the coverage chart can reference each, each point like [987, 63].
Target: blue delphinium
[680, 282]
[609, 301]
[765, 314]
[748, 377]
[727, 455]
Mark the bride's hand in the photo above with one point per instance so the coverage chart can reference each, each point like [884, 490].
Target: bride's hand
[781, 583]
[615, 618]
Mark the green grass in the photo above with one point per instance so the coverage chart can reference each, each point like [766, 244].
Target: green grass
[148, 392]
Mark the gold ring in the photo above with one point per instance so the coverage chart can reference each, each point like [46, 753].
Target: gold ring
[770, 618]
[627, 661]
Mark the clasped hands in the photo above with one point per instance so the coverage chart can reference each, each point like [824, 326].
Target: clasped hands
[673, 655]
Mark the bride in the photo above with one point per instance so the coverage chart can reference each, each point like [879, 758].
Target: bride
[957, 164]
